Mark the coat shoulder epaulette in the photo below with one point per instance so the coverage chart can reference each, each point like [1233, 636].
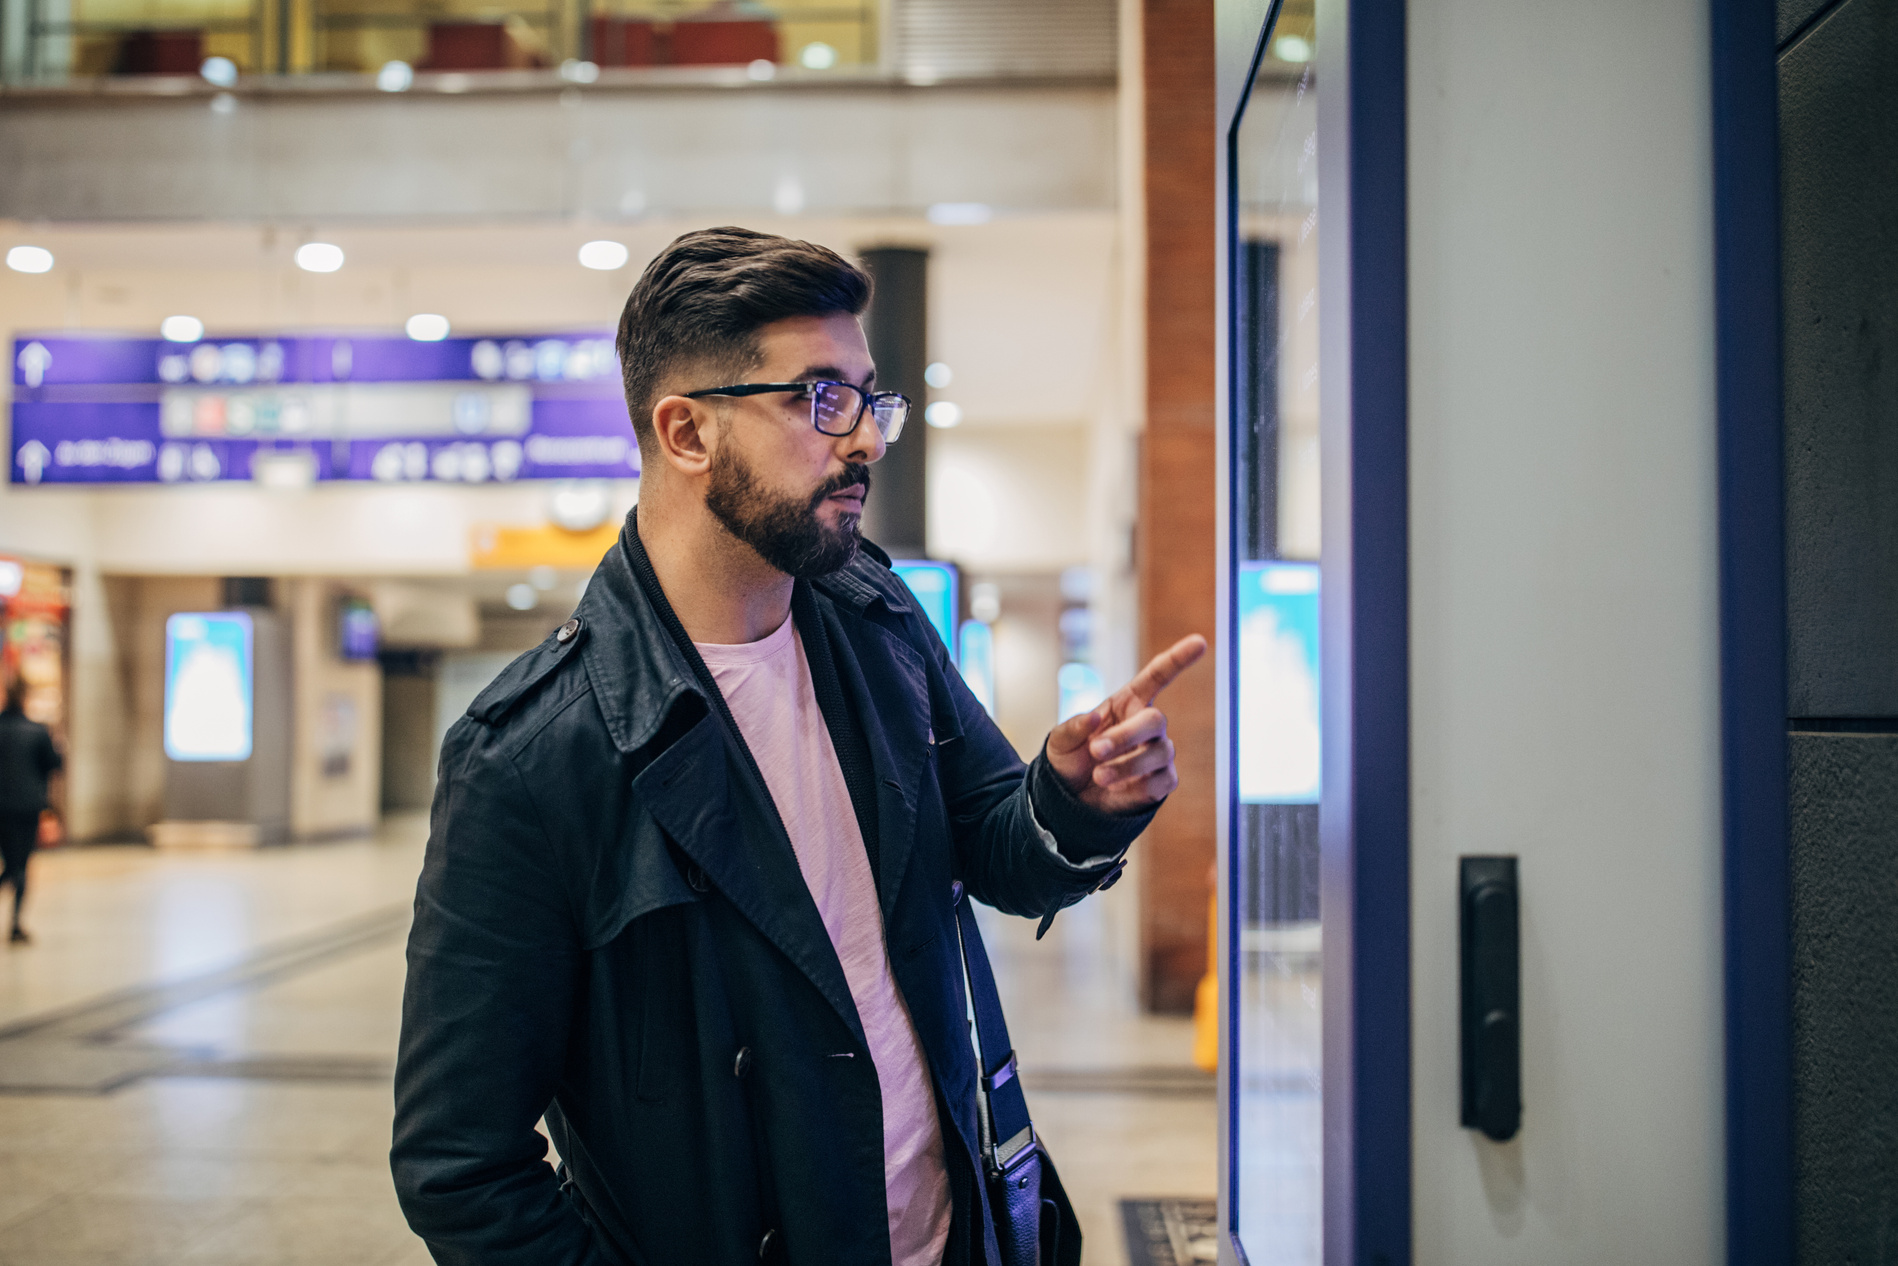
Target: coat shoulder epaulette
[525, 675]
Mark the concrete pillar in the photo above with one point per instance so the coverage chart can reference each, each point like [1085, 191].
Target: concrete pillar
[897, 328]
[1177, 528]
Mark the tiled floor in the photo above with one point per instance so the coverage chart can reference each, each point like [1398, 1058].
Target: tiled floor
[194, 1060]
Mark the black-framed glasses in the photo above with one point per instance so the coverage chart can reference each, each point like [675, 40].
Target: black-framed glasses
[836, 407]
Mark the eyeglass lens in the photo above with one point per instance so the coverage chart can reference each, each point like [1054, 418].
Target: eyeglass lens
[835, 408]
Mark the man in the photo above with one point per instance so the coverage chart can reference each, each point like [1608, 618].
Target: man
[688, 883]
[27, 760]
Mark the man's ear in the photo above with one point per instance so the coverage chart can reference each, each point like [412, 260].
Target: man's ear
[679, 430]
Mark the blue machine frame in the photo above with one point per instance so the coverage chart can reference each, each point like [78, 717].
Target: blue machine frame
[1756, 878]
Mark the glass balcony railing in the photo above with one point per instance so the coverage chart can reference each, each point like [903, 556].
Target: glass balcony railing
[53, 42]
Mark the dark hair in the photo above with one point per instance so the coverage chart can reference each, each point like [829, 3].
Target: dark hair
[702, 301]
[16, 694]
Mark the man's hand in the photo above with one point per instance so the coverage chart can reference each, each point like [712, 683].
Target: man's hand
[1117, 757]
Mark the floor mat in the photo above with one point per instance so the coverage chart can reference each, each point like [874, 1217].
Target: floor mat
[1171, 1232]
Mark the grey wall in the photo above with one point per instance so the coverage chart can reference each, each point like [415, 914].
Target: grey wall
[1839, 140]
[1845, 997]
[1839, 164]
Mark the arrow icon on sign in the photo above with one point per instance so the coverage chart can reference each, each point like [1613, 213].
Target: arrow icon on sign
[34, 361]
[33, 458]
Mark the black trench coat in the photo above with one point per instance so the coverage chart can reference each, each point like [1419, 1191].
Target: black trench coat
[611, 930]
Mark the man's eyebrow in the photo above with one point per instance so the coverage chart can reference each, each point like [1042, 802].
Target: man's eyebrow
[831, 373]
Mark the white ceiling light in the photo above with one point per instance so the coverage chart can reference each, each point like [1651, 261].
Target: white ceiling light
[30, 259]
[603, 255]
[960, 213]
[938, 375]
[181, 329]
[943, 414]
[319, 257]
[427, 327]
[576, 71]
[762, 69]
[1292, 48]
[579, 505]
[395, 77]
[817, 55]
[523, 597]
[221, 71]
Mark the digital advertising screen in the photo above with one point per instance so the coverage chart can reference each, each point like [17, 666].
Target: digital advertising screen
[976, 659]
[1278, 682]
[208, 700]
[358, 634]
[934, 585]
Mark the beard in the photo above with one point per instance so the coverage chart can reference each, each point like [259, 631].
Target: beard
[784, 528]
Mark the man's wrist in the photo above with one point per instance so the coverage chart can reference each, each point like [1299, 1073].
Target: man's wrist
[1083, 835]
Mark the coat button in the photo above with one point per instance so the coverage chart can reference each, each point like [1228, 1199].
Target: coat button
[767, 1244]
[567, 631]
[742, 1064]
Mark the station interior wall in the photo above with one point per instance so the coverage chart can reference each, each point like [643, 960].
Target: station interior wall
[1563, 621]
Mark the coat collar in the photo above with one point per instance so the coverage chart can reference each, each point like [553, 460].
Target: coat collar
[639, 675]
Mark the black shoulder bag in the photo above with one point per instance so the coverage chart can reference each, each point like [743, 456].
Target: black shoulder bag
[1034, 1223]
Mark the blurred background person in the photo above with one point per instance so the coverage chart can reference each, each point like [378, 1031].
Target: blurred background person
[28, 760]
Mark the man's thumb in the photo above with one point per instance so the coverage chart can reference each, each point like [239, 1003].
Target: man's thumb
[1074, 732]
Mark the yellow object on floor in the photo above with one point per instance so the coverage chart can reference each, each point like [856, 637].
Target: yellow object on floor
[1206, 996]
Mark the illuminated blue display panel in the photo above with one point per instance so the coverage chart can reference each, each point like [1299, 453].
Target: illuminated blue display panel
[208, 698]
[1278, 683]
[934, 585]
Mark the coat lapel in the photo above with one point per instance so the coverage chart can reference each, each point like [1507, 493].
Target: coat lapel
[703, 796]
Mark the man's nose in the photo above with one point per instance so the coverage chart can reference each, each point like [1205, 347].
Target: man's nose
[864, 443]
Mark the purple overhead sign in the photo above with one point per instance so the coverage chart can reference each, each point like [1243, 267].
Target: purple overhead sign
[374, 408]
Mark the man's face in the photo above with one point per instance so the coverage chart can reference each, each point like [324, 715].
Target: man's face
[792, 493]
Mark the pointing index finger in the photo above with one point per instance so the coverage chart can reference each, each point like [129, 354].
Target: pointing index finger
[1164, 667]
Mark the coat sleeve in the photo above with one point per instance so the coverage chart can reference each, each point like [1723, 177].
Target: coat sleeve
[493, 960]
[998, 811]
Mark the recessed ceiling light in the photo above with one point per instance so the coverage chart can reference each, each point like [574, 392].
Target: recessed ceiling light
[603, 256]
[319, 257]
[30, 259]
[181, 329]
[523, 597]
[427, 327]
[943, 414]
[1292, 48]
[938, 375]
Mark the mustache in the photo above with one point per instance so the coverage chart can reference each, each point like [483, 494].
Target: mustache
[851, 476]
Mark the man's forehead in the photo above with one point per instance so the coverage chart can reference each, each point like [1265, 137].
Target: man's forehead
[797, 343]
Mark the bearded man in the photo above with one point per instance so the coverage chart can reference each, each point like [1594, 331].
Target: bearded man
[687, 894]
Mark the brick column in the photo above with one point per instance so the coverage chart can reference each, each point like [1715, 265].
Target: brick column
[1176, 535]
